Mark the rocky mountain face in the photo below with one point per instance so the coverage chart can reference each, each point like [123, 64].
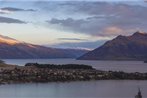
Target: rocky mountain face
[13, 49]
[132, 47]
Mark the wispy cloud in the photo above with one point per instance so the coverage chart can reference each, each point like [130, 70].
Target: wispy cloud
[72, 39]
[85, 44]
[10, 20]
[104, 18]
[7, 10]
[95, 21]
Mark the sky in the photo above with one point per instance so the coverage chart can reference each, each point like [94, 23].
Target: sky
[71, 24]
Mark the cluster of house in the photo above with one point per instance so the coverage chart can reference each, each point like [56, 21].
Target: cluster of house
[55, 74]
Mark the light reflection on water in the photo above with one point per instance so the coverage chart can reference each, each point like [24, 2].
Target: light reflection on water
[83, 89]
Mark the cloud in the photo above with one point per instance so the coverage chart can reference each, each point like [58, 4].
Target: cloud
[90, 25]
[82, 45]
[70, 24]
[10, 20]
[71, 39]
[7, 10]
[104, 18]
[4, 12]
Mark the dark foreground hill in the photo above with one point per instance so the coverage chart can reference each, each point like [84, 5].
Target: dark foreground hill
[132, 47]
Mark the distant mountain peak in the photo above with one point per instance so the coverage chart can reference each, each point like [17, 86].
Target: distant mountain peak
[13, 49]
[132, 47]
[139, 33]
[120, 37]
[8, 40]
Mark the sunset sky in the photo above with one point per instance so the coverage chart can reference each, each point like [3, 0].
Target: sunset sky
[71, 24]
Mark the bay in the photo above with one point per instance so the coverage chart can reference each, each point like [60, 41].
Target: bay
[79, 89]
[83, 89]
[127, 66]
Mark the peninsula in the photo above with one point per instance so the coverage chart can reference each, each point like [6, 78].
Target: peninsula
[34, 73]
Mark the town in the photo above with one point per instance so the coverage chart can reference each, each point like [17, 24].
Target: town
[34, 73]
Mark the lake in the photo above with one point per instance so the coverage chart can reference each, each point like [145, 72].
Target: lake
[83, 89]
[127, 66]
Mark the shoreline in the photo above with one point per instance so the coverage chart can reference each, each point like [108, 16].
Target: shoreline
[45, 73]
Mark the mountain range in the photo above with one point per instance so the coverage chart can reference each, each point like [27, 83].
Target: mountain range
[132, 47]
[13, 49]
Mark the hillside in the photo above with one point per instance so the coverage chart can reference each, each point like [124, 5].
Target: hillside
[14, 49]
[132, 47]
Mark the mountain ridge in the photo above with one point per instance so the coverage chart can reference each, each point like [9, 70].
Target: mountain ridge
[13, 49]
[132, 47]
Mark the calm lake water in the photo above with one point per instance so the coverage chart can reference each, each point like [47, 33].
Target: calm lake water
[83, 89]
[127, 66]
[88, 89]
